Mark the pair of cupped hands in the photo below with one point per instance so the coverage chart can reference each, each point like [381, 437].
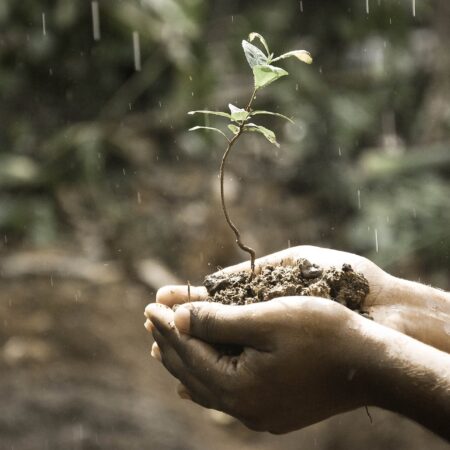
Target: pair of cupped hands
[302, 359]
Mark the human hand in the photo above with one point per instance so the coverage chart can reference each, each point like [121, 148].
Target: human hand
[411, 308]
[301, 359]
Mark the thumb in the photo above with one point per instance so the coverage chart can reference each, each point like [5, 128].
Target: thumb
[222, 324]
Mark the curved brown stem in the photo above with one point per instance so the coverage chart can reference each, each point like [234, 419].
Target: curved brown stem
[234, 228]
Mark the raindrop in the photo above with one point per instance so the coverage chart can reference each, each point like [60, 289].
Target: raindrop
[339, 151]
[367, 7]
[160, 103]
[376, 240]
[414, 8]
[44, 25]
[296, 87]
[190, 77]
[301, 6]
[80, 433]
[289, 243]
[359, 199]
[129, 106]
[95, 21]
[139, 198]
[137, 51]
[232, 19]
[51, 280]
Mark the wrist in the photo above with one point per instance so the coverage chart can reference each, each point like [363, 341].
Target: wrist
[419, 311]
[420, 296]
[406, 376]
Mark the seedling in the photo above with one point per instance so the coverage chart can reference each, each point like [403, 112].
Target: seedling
[264, 73]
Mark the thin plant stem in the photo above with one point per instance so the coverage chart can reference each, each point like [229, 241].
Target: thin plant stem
[233, 227]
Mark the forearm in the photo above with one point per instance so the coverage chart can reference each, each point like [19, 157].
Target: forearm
[409, 377]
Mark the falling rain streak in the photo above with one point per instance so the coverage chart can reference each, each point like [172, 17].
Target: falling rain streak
[301, 6]
[414, 8]
[95, 21]
[359, 199]
[137, 51]
[376, 240]
[44, 25]
[367, 7]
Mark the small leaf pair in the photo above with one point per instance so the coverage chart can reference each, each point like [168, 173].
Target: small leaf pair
[264, 72]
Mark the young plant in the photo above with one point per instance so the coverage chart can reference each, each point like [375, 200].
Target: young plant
[264, 73]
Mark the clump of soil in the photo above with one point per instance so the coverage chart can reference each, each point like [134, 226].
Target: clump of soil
[343, 285]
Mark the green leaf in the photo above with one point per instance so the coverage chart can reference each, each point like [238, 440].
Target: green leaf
[215, 113]
[254, 113]
[254, 55]
[254, 35]
[268, 134]
[234, 129]
[210, 128]
[265, 74]
[238, 114]
[302, 55]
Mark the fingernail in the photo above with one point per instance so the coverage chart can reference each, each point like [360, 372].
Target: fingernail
[182, 319]
[156, 352]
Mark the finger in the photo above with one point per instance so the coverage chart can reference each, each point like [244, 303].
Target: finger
[201, 358]
[224, 324]
[196, 389]
[161, 317]
[156, 352]
[176, 295]
[148, 325]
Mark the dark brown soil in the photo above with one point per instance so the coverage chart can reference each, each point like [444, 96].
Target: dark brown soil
[343, 285]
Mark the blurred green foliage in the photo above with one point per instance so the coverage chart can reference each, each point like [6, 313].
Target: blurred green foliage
[372, 113]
